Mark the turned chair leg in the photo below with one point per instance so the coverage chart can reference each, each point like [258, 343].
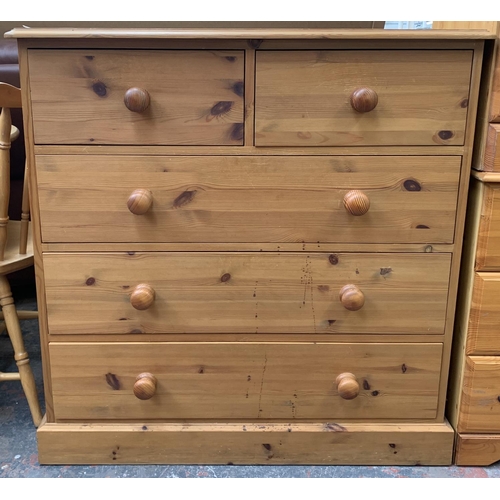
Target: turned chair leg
[20, 355]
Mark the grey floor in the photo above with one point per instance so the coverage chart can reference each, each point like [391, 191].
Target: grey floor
[18, 450]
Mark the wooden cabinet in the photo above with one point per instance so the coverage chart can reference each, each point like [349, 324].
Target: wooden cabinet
[248, 241]
[475, 381]
[474, 389]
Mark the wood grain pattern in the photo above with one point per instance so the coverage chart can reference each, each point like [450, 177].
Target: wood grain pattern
[248, 381]
[248, 199]
[477, 449]
[463, 191]
[480, 409]
[488, 244]
[248, 247]
[463, 302]
[265, 293]
[494, 110]
[303, 97]
[483, 336]
[249, 150]
[196, 97]
[491, 159]
[250, 337]
[245, 33]
[244, 443]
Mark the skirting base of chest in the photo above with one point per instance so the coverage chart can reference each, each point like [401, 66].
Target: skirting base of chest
[239, 443]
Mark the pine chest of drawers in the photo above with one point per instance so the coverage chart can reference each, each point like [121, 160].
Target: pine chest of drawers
[248, 241]
[474, 391]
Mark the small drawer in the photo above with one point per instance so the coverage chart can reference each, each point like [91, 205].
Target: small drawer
[361, 97]
[488, 242]
[245, 292]
[164, 97]
[483, 336]
[94, 381]
[213, 199]
[480, 407]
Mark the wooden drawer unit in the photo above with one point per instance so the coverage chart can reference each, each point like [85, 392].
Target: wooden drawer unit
[474, 393]
[246, 293]
[360, 98]
[248, 199]
[246, 381]
[289, 300]
[137, 96]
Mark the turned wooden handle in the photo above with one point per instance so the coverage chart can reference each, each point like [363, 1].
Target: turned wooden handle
[364, 100]
[347, 385]
[140, 201]
[137, 100]
[145, 386]
[142, 297]
[356, 202]
[352, 297]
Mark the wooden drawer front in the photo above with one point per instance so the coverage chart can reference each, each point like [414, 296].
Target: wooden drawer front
[488, 243]
[483, 335]
[250, 381]
[248, 199]
[246, 293]
[196, 97]
[303, 98]
[480, 409]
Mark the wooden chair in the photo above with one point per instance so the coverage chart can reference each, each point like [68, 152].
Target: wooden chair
[16, 251]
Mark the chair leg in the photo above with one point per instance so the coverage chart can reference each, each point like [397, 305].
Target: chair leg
[20, 354]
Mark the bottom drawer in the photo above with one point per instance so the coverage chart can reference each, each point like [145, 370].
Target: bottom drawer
[245, 381]
[480, 406]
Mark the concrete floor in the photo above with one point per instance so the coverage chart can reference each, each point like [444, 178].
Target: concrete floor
[18, 450]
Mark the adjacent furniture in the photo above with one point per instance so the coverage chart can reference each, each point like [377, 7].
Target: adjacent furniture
[474, 395]
[16, 252]
[248, 241]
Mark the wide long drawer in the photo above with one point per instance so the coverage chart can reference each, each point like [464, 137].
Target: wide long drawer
[384, 199]
[250, 381]
[480, 406]
[361, 97]
[198, 292]
[168, 97]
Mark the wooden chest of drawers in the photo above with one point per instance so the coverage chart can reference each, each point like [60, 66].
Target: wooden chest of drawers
[248, 241]
[475, 381]
[474, 388]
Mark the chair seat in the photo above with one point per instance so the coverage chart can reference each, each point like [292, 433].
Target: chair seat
[14, 133]
[13, 260]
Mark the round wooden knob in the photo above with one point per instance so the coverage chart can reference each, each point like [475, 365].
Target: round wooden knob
[352, 297]
[145, 386]
[142, 297]
[347, 385]
[364, 100]
[356, 202]
[140, 201]
[137, 100]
